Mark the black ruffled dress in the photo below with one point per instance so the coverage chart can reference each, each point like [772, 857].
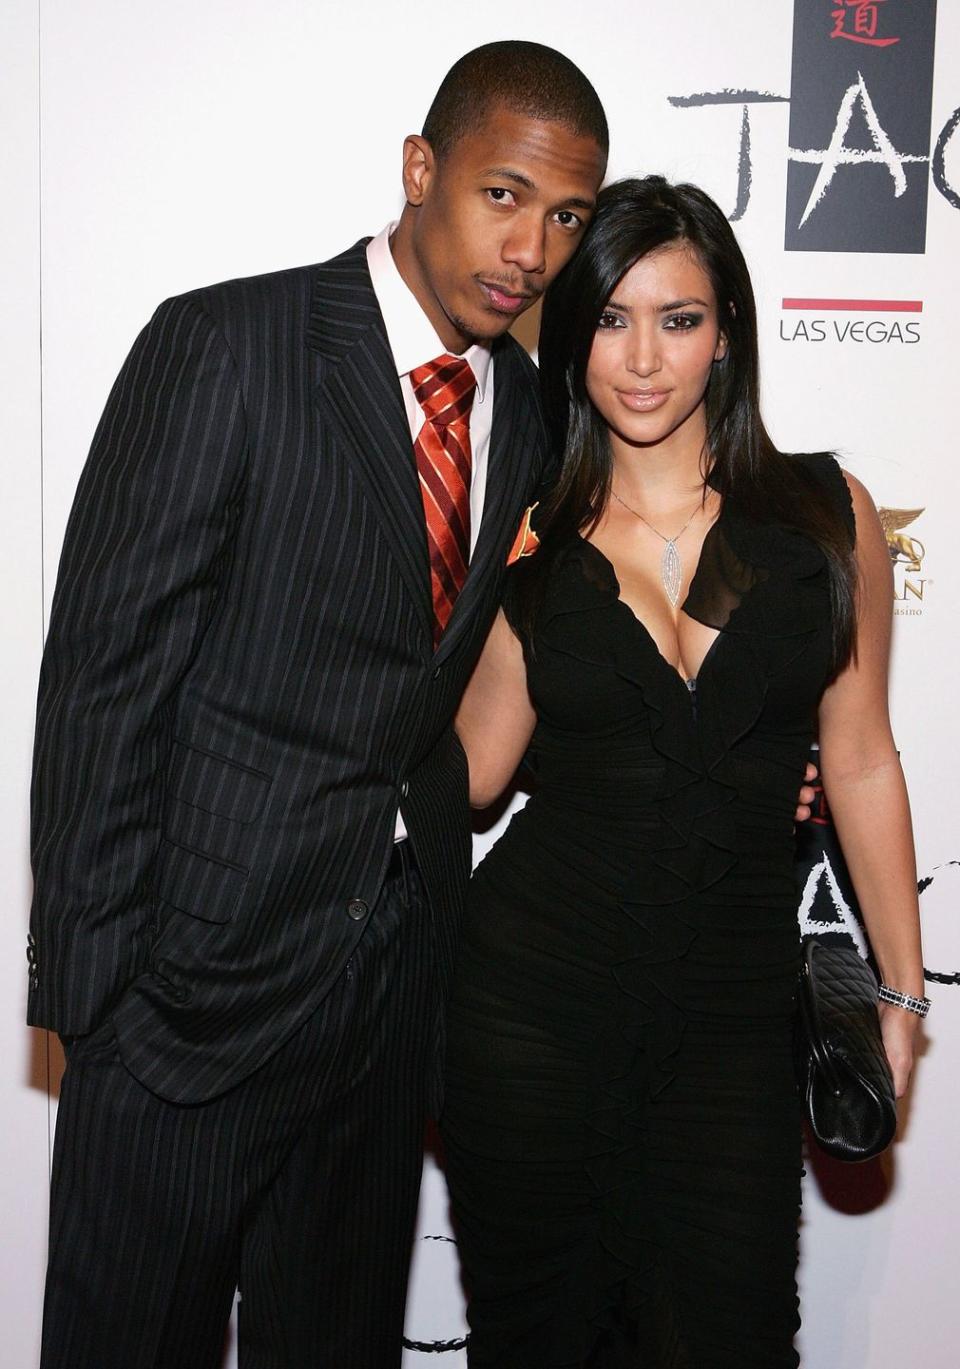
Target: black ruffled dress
[621, 1125]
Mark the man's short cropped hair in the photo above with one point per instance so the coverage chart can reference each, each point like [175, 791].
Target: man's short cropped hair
[526, 78]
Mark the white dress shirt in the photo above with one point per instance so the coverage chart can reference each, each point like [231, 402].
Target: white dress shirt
[413, 342]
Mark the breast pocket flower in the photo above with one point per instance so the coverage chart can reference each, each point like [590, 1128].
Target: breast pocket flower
[526, 541]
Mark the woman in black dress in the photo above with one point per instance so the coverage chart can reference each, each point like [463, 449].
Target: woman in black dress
[622, 1125]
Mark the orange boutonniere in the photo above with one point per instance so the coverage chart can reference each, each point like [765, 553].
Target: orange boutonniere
[526, 540]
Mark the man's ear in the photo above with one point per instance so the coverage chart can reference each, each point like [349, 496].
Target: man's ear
[419, 168]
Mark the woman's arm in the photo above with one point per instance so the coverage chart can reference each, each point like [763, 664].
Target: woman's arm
[496, 719]
[865, 790]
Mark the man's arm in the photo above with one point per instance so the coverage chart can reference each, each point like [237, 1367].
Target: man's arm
[146, 545]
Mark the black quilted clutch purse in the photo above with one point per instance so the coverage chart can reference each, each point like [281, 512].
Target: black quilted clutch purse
[845, 1081]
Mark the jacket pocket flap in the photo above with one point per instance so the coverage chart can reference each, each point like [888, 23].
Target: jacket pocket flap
[216, 784]
[200, 885]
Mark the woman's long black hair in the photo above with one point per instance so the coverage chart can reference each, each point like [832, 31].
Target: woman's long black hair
[633, 219]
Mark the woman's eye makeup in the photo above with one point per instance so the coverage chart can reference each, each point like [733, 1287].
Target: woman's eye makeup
[682, 323]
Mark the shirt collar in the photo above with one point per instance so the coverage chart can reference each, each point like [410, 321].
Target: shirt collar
[412, 338]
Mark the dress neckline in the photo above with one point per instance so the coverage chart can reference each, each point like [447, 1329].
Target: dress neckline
[685, 680]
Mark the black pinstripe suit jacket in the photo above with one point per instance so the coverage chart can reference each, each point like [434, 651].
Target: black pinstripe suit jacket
[239, 685]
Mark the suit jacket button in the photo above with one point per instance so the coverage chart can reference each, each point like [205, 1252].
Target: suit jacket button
[357, 909]
[404, 789]
[436, 673]
[177, 991]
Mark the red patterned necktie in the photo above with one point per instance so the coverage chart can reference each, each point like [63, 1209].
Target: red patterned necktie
[444, 389]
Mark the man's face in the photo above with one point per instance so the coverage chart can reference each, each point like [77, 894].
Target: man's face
[487, 228]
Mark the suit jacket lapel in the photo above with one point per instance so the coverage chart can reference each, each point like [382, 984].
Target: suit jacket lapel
[360, 396]
[515, 446]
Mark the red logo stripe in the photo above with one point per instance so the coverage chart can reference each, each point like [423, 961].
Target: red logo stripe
[862, 306]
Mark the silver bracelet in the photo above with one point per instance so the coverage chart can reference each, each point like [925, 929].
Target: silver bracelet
[921, 1006]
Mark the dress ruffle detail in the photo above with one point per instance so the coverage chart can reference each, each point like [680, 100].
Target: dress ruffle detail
[694, 842]
[680, 822]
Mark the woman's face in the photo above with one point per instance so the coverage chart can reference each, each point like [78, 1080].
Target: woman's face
[654, 348]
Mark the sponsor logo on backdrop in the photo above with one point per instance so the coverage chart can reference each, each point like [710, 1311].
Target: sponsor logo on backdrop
[860, 102]
[939, 891]
[907, 553]
[860, 155]
[435, 1271]
[823, 907]
[852, 322]
[828, 905]
[858, 21]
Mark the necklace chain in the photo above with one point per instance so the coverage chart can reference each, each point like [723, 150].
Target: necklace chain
[671, 567]
[675, 538]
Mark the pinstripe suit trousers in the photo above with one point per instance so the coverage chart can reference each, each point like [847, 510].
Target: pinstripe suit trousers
[299, 1184]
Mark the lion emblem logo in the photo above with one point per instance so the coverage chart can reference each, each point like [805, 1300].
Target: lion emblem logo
[905, 551]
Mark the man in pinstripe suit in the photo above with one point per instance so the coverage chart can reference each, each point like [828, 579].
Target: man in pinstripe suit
[251, 834]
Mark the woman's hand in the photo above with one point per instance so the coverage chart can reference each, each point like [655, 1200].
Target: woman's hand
[899, 1029]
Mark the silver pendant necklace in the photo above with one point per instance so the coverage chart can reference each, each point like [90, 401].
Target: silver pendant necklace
[671, 567]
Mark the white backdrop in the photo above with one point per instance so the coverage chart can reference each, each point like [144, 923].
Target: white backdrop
[135, 165]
